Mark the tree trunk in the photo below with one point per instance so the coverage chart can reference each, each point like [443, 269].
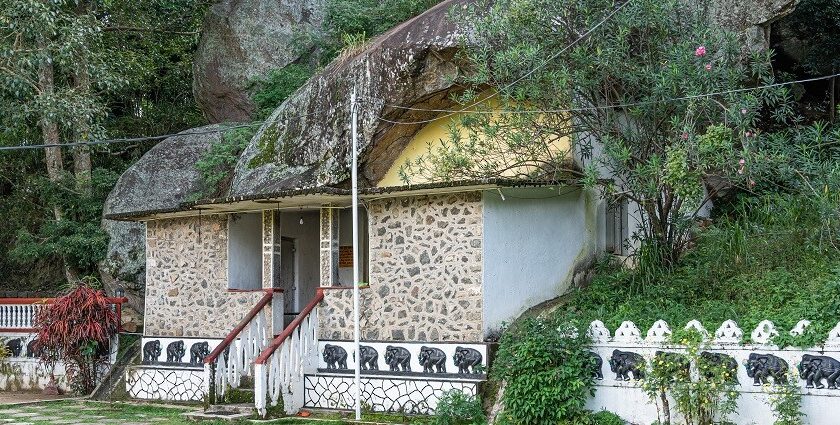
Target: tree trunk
[666, 408]
[49, 128]
[832, 112]
[81, 154]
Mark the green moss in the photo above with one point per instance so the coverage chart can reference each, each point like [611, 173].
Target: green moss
[239, 396]
[266, 147]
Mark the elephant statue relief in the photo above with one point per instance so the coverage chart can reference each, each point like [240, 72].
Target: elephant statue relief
[198, 352]
[151, 351]
[710, 361]
[14, 347]
[369, 358]
[625, 363]
[397, 357]
[675, 364]
[432, 359]
[335, 357]
[32, 348]
[761, 366]
[596, 363]
[175, 352]
[813, 369]
[466, 358]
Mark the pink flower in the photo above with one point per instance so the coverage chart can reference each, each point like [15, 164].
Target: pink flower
[748, 134]
[743, 111]
[700, 52]
[752, 183]
[684, 136]
[708, 67]
[742, 161]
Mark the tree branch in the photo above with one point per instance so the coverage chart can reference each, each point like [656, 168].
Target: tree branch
[150, 30]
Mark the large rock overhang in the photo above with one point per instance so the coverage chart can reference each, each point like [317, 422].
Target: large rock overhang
[306, 141]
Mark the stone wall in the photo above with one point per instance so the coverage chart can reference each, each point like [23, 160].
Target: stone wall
[186, 279]
[425, 273]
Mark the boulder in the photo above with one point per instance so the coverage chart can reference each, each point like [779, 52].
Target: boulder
[751, 18]
[306, 141]
[162, 179]
[242, 40]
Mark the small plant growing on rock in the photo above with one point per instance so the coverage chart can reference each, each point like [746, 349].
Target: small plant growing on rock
[76, 329]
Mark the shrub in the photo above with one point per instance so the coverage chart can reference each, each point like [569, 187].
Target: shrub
[457, 408]
[547, 371]
[76, 330]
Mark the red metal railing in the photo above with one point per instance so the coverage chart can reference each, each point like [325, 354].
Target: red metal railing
[214, 355]
[20, 312]
[278, 341]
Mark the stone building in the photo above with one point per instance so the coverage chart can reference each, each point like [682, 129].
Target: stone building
[261, 277]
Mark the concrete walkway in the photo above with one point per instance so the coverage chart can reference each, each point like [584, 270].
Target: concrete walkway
[16, 397]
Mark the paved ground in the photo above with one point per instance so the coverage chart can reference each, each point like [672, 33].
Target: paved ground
[20, 397]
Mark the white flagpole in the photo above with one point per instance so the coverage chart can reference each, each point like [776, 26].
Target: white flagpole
[356, 330]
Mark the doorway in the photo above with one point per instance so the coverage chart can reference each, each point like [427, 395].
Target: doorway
[288, 278]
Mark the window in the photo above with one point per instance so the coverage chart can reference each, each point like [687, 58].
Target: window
[617, 231]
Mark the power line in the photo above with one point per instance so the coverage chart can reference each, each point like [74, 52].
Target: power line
[601, 107]
[221, 129]
[527, 74]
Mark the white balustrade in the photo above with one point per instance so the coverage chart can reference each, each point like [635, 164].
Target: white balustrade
[19, 316]
[281, 373]
[236, 361]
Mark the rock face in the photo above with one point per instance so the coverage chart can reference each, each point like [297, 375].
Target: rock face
[245, 39]
[307, 139]
[751, 18]
[162, 179]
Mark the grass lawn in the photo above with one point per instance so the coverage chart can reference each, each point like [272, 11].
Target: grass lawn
[87, 412]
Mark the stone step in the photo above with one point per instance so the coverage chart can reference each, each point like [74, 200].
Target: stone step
[224, 412]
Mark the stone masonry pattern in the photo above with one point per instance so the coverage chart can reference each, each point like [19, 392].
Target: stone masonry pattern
[425, 273]
[186, 279]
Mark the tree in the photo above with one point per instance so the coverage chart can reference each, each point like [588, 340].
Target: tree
[561, 85]
[76, 330]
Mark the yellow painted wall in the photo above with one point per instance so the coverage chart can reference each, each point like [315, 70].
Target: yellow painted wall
[432, 133]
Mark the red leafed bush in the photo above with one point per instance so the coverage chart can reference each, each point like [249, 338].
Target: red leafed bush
[76, 329]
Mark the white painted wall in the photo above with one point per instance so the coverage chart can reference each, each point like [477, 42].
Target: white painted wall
[345, 238]
[245, 251]
[307, 253]
[532, 241]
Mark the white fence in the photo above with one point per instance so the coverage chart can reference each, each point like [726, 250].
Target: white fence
[18, 316]
[619, 389]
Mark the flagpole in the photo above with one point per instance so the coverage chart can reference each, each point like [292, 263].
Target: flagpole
[356, 330]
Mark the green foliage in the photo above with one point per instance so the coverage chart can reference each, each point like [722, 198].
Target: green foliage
[757, 262]
[77, 238]
[786, 401]
[606, 418]
[553, 85]
[271, 91]
[547, 371]
[216, 165]
[703, 400]
[457, 408]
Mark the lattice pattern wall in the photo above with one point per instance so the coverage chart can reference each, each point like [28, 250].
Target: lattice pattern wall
[381, 394]
[168, 384]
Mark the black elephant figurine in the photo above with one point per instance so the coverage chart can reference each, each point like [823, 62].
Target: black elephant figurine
[151, 351]
[675, 364]
[762, 366]
[175, 352]
[813, 369]
[369, 358]
[432, 359]
[198, 352]
[14, 347]
[33, 349]
[398, 357]
[711, 361]
[596, 363]
[467, 359]
[335, 357]
[626, 363]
